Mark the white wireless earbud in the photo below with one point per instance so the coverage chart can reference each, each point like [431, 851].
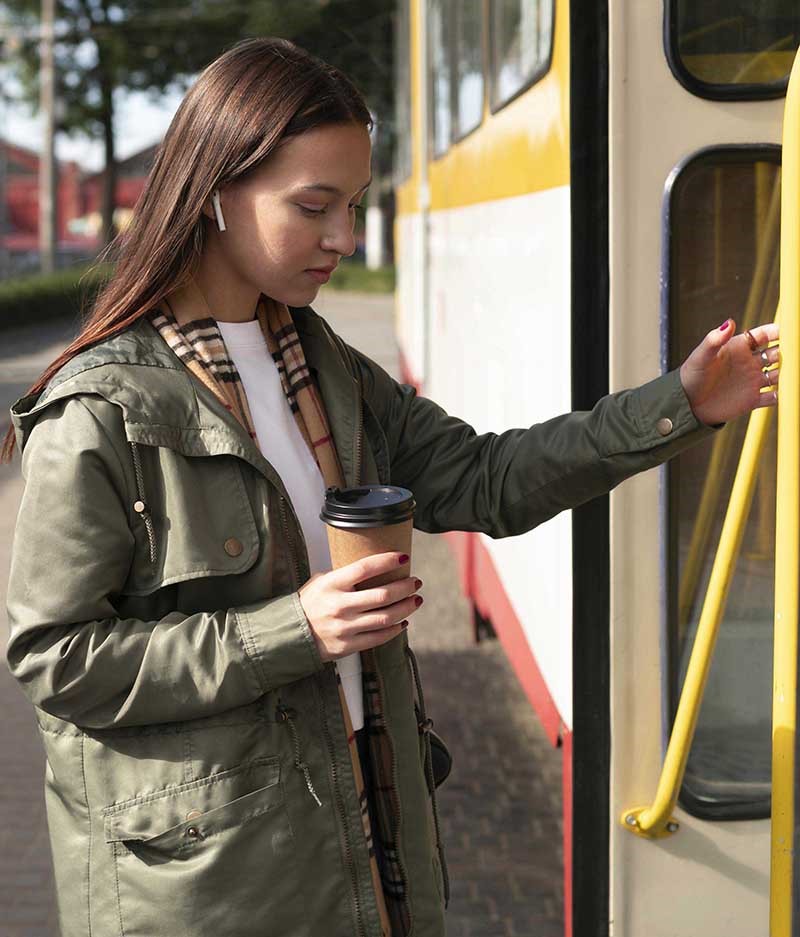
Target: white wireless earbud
[218, 210]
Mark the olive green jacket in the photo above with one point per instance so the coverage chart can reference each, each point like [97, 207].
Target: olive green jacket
[161, 646]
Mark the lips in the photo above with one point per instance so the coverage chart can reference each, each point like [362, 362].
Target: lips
[321, 276]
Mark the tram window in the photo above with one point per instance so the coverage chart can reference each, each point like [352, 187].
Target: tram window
[521, 45]
[441, 75]
[468, 34]
[402, 100]
[724, 237]
[733, 48]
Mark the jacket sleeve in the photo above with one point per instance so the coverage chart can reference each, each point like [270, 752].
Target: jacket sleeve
[72, 551]
[505, 484]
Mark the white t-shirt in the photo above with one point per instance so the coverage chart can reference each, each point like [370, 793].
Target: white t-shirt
[283, 446]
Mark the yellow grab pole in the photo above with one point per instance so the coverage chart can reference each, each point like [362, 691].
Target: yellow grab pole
[787, 518]
[656, 820]
[768, 235]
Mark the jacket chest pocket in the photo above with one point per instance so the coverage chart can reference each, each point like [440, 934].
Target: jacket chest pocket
[213, 856]
[191, 517]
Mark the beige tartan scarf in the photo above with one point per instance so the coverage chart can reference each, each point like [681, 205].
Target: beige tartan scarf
[199, 344]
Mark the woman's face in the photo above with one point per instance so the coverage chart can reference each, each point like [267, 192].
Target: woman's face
[294, 212]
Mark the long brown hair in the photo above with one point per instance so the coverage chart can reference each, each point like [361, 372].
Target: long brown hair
[241, 107]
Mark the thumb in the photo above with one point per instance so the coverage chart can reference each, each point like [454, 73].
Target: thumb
[718, 338]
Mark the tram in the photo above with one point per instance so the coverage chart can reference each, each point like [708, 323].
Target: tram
[593, 187]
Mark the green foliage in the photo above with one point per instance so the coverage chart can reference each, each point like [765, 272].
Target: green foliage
[357, 36]
[355, 277]
[66, 293]
[155, 45]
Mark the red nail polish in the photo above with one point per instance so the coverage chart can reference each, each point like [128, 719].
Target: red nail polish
[417, 583]
[404, 558]
[404, 624]
[725, 325]
[418, 600]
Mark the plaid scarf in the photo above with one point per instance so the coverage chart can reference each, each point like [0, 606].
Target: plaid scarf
[200, 346]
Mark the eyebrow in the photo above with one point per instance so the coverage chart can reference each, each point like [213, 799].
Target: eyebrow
[321, 187]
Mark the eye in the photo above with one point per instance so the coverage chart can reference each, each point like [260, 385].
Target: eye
[312, 211]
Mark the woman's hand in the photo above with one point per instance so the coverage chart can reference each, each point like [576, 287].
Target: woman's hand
[724, 377]
[344, 620]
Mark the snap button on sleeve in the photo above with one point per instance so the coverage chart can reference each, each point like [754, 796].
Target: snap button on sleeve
[664, 426]
[233, 547]
[193, 814]
[139, 506]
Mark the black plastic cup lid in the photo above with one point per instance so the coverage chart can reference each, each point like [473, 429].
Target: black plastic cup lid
[367, 506]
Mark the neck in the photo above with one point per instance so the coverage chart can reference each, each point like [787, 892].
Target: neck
[215, 291]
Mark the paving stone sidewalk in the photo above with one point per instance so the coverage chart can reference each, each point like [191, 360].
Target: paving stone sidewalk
[501, 807]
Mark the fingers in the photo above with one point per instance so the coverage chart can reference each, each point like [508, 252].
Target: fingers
[716, 338]
[771, 376]
[348, 576]
[363, 642]
[770, 356]
[765, 334]
[768, 398]
[379, 618]
[381, 596]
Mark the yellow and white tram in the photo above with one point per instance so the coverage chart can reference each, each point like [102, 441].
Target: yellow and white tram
[594, 186]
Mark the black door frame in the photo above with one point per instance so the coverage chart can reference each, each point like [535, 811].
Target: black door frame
[589, 196]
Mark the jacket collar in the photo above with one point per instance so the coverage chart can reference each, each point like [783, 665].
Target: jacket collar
[163, 405]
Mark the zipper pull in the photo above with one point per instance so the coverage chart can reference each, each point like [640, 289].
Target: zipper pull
[139, 505]
[284, 714]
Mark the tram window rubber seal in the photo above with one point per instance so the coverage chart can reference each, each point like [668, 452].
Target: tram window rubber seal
[762, 91]
[729, 804]
[497, 104]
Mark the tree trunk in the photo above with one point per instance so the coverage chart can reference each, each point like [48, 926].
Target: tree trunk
[48, 190]
[110, 172]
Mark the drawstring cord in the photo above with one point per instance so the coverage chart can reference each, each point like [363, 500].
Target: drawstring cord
[424, 726]
[285, 715]
[140, 505]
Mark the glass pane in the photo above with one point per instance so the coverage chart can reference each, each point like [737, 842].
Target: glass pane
[522, 33]
[737, 42]
[469, 64]
[402, 99]
[725, 232]
[440, 74]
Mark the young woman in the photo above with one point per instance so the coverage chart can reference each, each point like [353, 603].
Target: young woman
[198, 671]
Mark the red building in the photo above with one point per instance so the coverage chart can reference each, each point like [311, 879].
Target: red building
[78, 203]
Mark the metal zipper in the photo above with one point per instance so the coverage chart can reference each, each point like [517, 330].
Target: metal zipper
[396, 816]
[355, 373]
[285, 714]
[343, 817]
[359, 434]
[140, 505]
[425, 725]
[292, 553]
[340, 806]
[395, 828]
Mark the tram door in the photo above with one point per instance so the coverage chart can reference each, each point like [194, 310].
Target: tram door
[696, 95]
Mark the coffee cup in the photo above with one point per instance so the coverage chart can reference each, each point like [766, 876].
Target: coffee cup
[367, 520]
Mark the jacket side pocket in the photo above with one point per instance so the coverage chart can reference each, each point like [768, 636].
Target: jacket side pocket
[209, 857]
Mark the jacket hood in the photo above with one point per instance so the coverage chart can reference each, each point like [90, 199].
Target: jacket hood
[163, 404]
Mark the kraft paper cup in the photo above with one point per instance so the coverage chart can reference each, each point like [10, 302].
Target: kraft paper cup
[367, 520]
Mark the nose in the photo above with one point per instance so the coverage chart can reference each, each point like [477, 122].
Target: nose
[339, 236]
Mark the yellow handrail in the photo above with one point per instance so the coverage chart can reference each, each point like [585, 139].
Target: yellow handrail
[657, 820]
[787, 519]
[768, 245]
